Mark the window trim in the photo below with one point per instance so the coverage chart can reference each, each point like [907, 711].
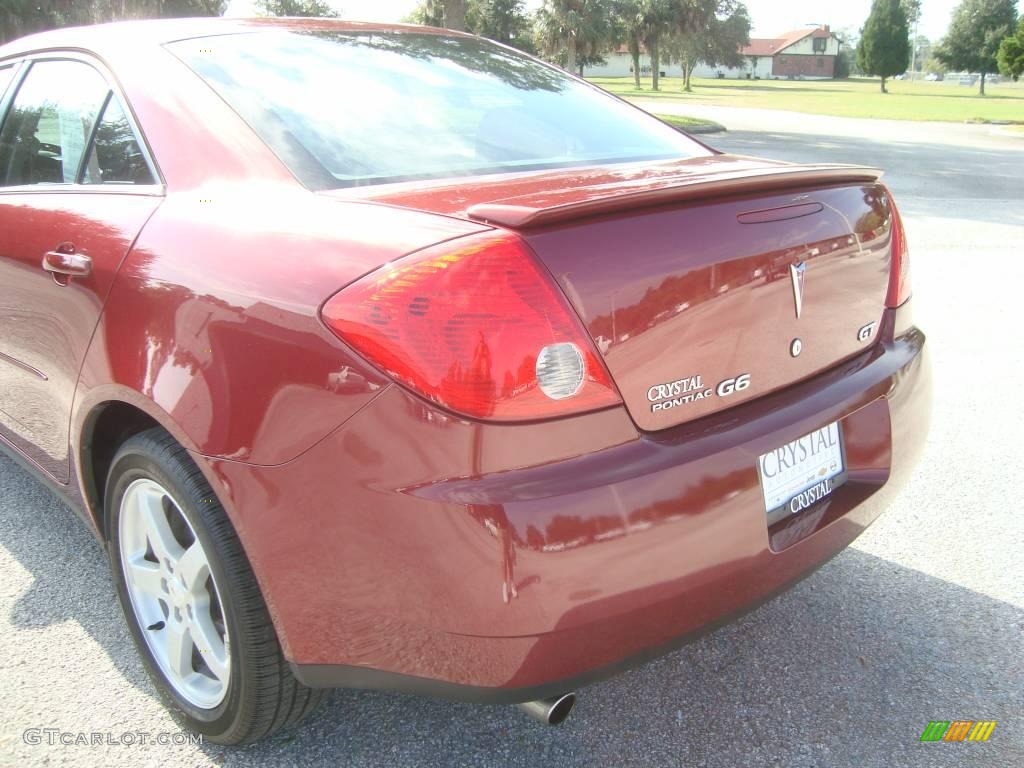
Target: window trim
[15, 67]
[90, 145]
[24, 66]
[12, 88]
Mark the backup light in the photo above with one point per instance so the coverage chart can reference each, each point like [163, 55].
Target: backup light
[560, 370]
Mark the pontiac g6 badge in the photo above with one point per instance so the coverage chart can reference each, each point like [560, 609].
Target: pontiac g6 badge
[676, 393]
[796, 274]
[691, 389]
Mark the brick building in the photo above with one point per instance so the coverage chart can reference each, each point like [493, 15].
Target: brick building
[809, 53]
[804, 53]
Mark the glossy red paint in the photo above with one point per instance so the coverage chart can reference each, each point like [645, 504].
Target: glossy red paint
[696, 273]
[615, 542]
[49, 318]
[386, 533]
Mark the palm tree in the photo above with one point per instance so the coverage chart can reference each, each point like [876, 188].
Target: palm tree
[440, 13]
[576, 27]
[658, 17]
[630, 20]
[646, 23]
[455, 14]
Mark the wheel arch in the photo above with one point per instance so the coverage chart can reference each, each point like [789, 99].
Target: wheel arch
[111, 418]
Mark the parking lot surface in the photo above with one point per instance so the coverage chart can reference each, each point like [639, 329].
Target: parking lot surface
[922, 619]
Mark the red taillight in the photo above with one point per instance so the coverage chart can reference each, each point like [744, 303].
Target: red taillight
[899, 274]
[477, 327]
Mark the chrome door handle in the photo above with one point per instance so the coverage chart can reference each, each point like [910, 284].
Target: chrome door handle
[70, 264]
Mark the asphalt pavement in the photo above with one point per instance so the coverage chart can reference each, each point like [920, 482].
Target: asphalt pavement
[922, 619]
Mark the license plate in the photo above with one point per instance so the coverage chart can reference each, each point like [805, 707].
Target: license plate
[801, 473]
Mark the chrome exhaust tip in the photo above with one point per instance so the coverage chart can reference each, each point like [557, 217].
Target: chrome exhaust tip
[552, 711]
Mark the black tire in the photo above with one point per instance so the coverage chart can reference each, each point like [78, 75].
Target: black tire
[262, 694]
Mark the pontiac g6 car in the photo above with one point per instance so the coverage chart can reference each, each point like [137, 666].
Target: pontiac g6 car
[389, 357]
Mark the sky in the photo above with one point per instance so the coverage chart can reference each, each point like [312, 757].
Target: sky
[770, 17]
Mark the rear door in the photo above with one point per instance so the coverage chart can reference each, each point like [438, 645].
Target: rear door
[75, 190]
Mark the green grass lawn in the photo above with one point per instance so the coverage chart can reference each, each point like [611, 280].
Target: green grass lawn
[691, 124]
[843, 98]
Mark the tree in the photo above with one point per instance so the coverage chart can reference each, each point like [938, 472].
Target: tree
[570, 29]
[717, 39]
[884, 48]
[297, 8]
[922, 51]
[451, 14]
[22, 17]
[657, 21]
[505, 21]
[846, 61]
[974, 37]
[933, 66]
[1011, 54]
[429, 13]
[843, 64]
[455, 15]
[629, 22]
[912, 10]
[502, 20]
[644, 24]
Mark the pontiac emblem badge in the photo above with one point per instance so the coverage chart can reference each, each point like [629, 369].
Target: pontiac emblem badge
[796, 273]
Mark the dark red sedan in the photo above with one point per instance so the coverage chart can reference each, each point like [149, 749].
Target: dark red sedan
[389, 357]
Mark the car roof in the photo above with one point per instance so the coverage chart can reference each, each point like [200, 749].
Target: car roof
[100, 38]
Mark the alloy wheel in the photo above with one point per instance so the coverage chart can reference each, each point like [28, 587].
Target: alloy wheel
[173, 594]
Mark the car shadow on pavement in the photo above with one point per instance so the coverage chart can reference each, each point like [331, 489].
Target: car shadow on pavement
[845, 669]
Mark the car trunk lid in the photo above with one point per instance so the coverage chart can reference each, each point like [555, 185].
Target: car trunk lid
[703, 283]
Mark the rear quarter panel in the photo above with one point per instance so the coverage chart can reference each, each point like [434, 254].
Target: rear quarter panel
[213, 319]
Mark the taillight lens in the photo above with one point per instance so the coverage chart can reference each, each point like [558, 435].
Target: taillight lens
[899, 275]
[477, 327]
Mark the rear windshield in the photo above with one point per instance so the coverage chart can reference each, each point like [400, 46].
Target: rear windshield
[355, 108]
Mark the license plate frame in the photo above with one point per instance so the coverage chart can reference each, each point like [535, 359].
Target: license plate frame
[777, 496]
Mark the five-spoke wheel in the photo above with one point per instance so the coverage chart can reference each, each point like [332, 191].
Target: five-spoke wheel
[173, 594]
[192, 602]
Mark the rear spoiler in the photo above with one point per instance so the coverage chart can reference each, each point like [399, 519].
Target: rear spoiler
[531, 212]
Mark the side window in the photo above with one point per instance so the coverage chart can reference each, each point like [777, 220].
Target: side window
[115, 156]
[49, 123]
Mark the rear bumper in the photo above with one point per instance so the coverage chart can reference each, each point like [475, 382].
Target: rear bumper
[414, 551]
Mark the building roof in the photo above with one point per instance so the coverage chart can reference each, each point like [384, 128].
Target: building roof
[760, 46]
[766, 46]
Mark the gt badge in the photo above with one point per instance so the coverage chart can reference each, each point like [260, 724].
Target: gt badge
[866, 332]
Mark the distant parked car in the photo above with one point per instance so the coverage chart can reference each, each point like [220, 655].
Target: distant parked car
[935, 77]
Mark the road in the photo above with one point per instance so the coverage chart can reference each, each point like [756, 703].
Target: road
[922, 619]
